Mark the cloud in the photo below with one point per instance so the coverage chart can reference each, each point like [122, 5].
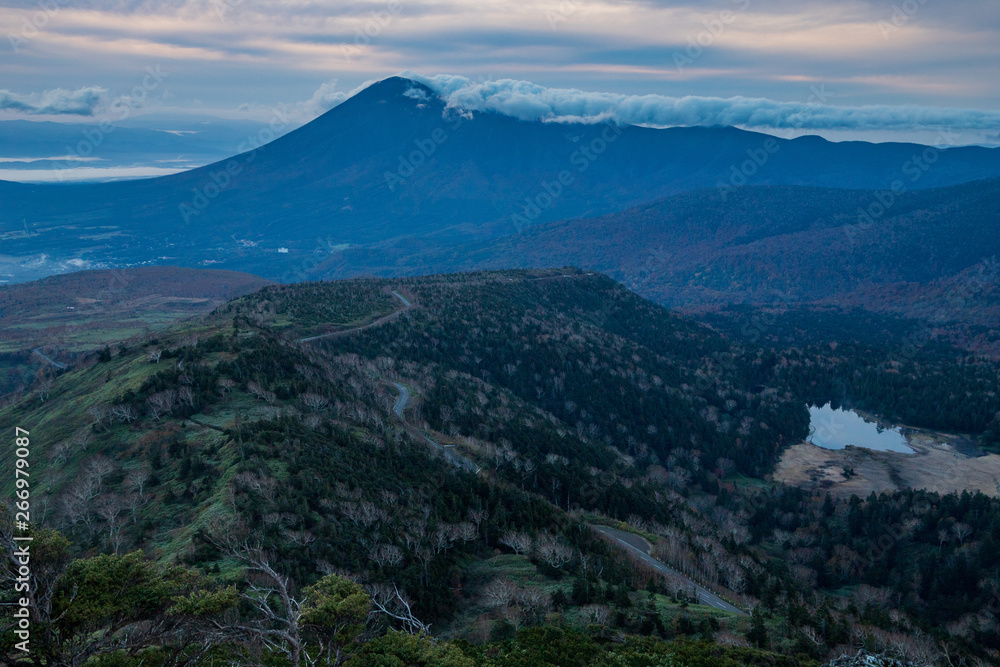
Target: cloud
[80, 102]
[325, 98]
[529, 101]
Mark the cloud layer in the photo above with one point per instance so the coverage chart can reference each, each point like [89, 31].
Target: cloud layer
[529, 101]
[79, 102]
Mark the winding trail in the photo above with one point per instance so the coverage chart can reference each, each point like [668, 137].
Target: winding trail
[380, 321]
[38, 351]
[639, 547]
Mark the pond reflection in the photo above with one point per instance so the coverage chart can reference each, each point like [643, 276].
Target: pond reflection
[836, 428]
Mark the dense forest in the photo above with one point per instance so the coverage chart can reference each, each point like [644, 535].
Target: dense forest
[897, 368]
[261, 499]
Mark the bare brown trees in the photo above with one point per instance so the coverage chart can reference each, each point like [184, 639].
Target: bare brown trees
[161, 403]
[256, 389]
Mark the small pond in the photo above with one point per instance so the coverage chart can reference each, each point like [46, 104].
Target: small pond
[835, 429]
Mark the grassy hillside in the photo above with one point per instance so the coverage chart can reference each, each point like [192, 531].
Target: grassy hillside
[64, 316]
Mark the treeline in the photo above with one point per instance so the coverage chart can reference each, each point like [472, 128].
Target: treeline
[889, 366]
[913, 561]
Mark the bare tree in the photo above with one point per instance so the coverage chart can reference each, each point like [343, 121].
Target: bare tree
[161, 403]
[519, 542]
[598, 614]
[962, 531]
[101, 414]
[136, 480]
[314, 402]
[389, 601]
[278, 612]
[109, 508]
[81, 437]
[553, 551]
[185, 396]
[154, 355]
[386, 554]
[60, 452]
[43, 384]
[499, 593]
[124, 413]
[98, 468]
[260, 392]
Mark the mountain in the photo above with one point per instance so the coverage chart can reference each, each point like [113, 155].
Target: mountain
[760, 244]
[539, 465]
[392, 163]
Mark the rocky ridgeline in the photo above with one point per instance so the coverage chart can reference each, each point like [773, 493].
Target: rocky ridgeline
[865, 659]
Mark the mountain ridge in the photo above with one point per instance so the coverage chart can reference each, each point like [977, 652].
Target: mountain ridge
[392, 162]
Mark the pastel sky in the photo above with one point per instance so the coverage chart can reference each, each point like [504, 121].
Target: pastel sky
[67, 59]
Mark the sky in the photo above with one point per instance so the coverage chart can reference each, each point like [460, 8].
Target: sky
[925, 70]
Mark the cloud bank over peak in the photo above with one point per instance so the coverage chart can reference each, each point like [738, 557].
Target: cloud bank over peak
[79, 102]
[528, 101]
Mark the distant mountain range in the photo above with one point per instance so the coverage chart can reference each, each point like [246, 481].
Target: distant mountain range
[45, 151]
[762, 244]
[391, 173]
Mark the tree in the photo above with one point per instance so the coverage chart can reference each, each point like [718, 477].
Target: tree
[395, 649]
[335, 611]
[124, 413]
[961, 530]
[757, 634]
[136, 480]
[314, 402]
[389, 601]
[109, 508]
[43, 384]
[161, 403]
[499, 593]
[100, 605]
[277, 610]
[519, 542]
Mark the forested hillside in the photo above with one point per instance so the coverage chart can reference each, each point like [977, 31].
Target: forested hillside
[225, 490]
